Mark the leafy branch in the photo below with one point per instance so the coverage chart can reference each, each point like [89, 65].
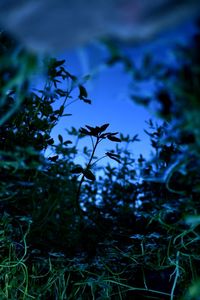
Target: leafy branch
[99, 134]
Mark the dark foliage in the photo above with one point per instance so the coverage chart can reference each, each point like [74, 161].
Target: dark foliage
[131, 233]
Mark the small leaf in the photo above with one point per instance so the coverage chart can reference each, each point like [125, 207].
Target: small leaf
[50, 141]
[83, 92]
[135, 138]
[89, 175]
[103, 135]
[89, 127]
[141, 159]
[93, 130]
[58, 63]
[66, 115]
[113, 138]
[47, 110]
[72, 77]
[61, 110]
[104, 127]
[53, 158]
[77, 170]
[67, 142]
[117, 160]
[72, 131]
[113, 156]
[88, 101]
[113, 133]
[84, 131]
[60, 138]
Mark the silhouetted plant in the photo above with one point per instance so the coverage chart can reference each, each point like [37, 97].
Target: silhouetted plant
[138, 234]
[99, 135]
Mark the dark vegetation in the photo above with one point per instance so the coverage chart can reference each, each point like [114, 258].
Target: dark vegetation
[132, 233]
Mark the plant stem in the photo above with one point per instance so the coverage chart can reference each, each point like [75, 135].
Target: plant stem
[79, 210]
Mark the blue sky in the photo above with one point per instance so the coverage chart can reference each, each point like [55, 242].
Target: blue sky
[109, 92]
[109, 89]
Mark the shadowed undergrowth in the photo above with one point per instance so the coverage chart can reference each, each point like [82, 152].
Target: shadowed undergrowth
[69, 233]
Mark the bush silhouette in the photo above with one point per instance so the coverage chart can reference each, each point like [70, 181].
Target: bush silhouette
[131, 233]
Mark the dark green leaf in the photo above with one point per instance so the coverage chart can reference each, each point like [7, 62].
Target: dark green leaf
[60, 138]
[93, 130]
[89, 175]
[113, 156]
[82, 92]
[104, 127]
[58, 63]
[66, 115]
[84, 131]
[67, 143]
[103, 135]
[77, 170]
[113, 138]
[117, 160]
[72, 77]
[135, 138]
[50, 141]
[88, 101]
[47, 109]
[89, 127]
[141, 159]
[53, 158]
[61, 110]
